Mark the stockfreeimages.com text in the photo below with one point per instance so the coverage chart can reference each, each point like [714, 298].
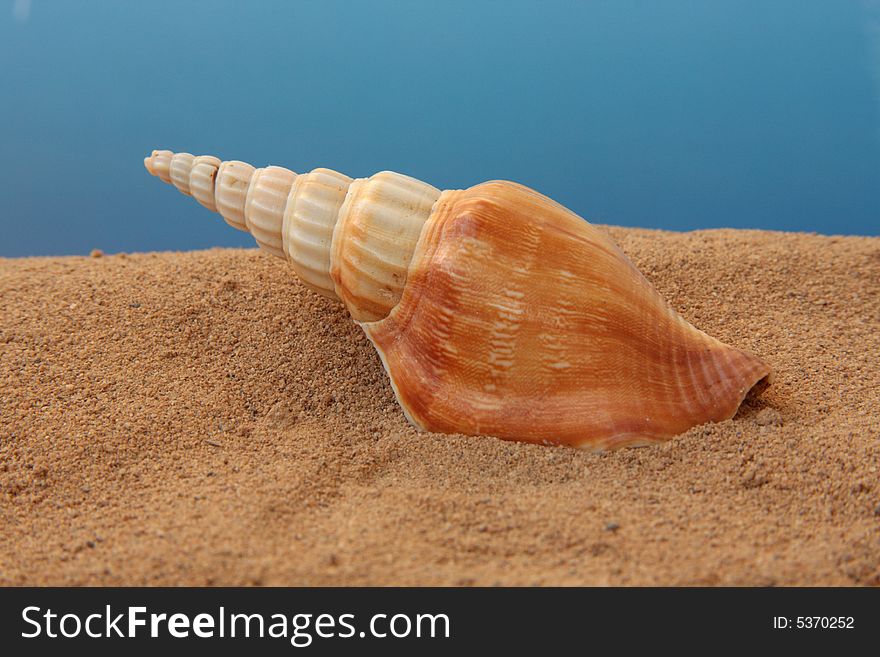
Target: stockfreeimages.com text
[300, 629]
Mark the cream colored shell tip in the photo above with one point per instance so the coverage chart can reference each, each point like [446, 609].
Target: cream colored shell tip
[494, 310]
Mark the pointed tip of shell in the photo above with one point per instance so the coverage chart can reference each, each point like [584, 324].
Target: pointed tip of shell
[159, 164]
[154, 158]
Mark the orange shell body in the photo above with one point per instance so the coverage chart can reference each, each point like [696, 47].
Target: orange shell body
[521, 320]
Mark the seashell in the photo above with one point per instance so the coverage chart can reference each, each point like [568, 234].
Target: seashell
[494, 310]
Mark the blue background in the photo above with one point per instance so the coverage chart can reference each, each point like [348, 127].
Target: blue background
[676, 115]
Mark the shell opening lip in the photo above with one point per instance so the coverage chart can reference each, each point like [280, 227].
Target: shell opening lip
[757, 388]
[149, 165]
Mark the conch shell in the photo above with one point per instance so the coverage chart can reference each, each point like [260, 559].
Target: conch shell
[495, 310]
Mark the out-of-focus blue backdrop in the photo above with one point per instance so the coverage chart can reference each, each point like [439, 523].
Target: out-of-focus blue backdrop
[676, 115]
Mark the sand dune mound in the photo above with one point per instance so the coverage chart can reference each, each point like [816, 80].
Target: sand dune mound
[201, 418]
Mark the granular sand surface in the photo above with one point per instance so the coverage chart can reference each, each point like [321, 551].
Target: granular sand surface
[201, 418]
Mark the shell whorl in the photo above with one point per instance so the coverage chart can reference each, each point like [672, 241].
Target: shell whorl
[344, 238]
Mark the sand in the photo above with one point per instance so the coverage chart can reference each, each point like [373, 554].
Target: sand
[201, 418]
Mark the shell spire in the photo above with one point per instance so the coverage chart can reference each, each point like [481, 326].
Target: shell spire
[494, 309]
[346, 239]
